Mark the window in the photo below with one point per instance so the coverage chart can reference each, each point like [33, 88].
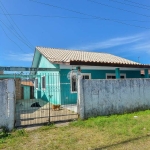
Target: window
[36, 83]
[142, 72]
[74, 80]
[85, 76]
[43, 82]
[73, 83]
[113, 76]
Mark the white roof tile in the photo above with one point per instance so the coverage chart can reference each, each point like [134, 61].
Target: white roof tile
[65, 56]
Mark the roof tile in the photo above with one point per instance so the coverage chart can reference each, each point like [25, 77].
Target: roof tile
[65, 56]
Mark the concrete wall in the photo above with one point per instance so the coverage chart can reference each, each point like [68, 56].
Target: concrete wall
[7, 103]
[105, 97]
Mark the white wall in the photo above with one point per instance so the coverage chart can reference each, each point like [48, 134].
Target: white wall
[105, 97]
[7, 103]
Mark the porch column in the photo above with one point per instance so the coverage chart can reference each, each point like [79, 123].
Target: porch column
[117, 73]
[146, 73]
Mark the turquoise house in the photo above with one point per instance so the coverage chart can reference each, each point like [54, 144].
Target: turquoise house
[59, 86]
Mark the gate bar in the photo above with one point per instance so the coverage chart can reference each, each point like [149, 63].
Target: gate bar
[27, 69]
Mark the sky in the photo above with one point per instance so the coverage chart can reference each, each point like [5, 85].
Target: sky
[119, 27]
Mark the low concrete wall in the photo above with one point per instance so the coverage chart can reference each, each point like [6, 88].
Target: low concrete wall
[105, 97]
[7, 103]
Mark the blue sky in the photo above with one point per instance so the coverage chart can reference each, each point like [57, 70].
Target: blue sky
[119, 27]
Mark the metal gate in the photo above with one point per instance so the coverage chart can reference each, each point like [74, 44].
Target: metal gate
[43, 97]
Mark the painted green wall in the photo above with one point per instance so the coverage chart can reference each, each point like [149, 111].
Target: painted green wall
[101, 74]
[26, 92]
[66, 96]
[52, 91]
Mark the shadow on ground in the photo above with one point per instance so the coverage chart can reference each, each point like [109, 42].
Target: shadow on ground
[123, 142]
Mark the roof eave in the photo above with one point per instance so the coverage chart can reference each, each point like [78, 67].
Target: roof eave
[109, 64]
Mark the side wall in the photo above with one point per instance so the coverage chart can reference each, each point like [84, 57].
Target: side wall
[7, 103]
[105, 97]
[52, 91]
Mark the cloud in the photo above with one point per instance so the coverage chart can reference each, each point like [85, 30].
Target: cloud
[145, 46]
[21, 57]
[117, 41]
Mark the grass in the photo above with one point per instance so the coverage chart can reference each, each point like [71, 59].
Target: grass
[109, 132]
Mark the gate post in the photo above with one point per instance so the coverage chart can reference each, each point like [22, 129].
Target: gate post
[80, 96]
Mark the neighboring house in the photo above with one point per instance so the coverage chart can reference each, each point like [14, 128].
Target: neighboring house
[27, 89]
[60, 87]
[24, 88]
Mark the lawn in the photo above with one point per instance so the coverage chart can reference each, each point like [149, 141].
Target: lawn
[120, 132]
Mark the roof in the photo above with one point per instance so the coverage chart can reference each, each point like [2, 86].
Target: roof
[27, 83]
[67, 56]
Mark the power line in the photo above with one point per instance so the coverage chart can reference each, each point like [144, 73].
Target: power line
[97, 17]
[118, 8]
[14, 33]
[65, 17]
[129, 4]
[11, 39]
[137, 3]
[24, 41]
[15, 25]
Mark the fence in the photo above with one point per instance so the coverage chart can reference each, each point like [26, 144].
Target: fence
[45, 97]
[105, 97]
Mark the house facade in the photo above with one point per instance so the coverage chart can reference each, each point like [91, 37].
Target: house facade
[59, 86]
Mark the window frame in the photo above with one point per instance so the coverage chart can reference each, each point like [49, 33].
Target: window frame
[71, 82]
[84, 74]
[113, 74]
[42, 82]
[89, 74]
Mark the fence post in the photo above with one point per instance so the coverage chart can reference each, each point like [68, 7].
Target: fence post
[49, 100]
[80, 96]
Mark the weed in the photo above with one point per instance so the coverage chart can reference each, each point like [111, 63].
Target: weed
[21, 132]
[4, 132]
